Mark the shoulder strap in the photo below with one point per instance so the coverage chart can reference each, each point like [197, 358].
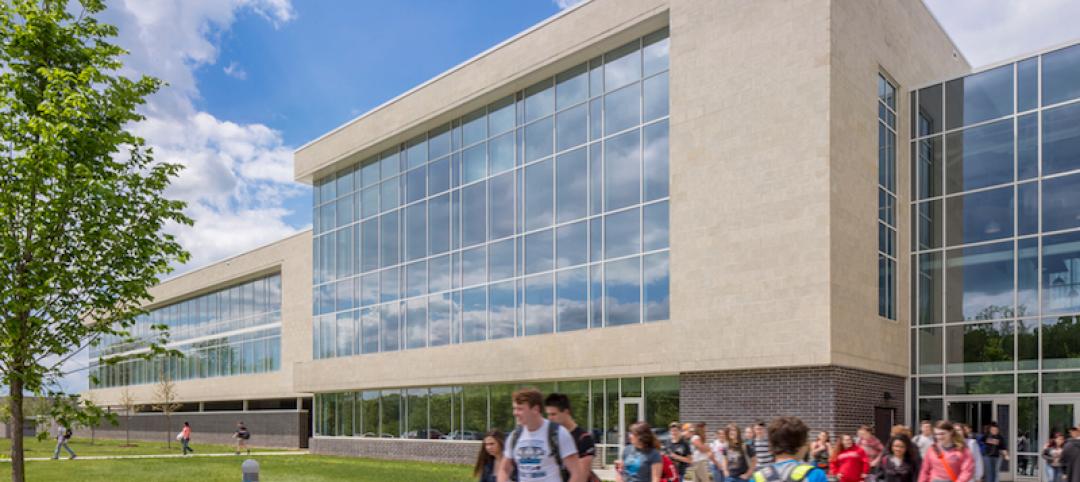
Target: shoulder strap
[514, 436]
[767, 474]
[945, 463]
[800, 472]
[553, 444]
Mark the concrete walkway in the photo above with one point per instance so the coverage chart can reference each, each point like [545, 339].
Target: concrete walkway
[165, 456]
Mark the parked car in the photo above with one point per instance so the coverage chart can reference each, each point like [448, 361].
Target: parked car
[424, 434]
[464, 435]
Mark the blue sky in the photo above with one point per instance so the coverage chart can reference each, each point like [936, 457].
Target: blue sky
[252, 80]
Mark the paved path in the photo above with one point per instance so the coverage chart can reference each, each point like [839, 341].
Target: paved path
[166, 456]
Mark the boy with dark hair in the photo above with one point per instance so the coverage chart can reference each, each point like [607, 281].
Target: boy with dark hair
[787, 437]
[557, 406]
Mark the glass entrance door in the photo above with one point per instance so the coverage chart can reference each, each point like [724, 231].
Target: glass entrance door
[630, 410]
[979, 413]
[1059, 412]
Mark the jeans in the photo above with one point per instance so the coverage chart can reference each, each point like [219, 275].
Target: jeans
[62, 443]
[991, 468]
[186, 448]
[1053, 474]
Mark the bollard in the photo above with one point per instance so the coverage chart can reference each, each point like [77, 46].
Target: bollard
[250, 469]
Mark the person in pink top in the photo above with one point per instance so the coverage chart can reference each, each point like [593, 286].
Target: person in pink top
[870, 444]
[949, 459]
[185, 439]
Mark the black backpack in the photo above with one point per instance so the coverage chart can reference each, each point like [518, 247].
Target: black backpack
[553, 445]
[67, 433]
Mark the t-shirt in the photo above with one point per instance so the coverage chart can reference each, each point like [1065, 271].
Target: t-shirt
[533, 456]
[719, 449]
[762, 453]
[586, 447]
[924, 442]
[698, 455]
[637, 464]
[682, 449]
[738, 461]
[992, 445]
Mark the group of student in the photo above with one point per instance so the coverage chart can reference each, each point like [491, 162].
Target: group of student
[557, 449]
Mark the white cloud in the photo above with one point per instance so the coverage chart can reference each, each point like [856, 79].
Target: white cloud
[235, 71]
[563, 4]
[988, 31]
[237, 177]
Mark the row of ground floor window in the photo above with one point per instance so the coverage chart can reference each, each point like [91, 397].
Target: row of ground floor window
[467, 412]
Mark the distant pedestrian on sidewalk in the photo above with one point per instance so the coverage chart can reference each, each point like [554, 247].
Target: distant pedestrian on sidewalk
[63, 434]
[241, 435]
[185, 438]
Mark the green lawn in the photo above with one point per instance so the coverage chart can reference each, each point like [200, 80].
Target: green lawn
[81, 446]
[298, 468]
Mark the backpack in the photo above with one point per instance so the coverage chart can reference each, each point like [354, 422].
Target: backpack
[668, 472]
[553, 445]
[797, 474]
[244, 434]
[67, 433]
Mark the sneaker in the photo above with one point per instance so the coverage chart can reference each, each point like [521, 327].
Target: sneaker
[71, 458]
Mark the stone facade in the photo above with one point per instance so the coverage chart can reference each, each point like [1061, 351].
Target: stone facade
[832, 398]
[269, 428]
[456, 452]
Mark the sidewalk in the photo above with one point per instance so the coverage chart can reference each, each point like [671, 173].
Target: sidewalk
[166, 456]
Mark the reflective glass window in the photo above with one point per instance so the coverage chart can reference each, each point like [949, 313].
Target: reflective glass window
[474, 214]
[622, 66]
[656, 97]
[390, 193]
[979, 347]
[474, 163]
[439, 142]
[439, 319]
[572, 184]
[572, 244]
[473, 127]
[979, 97]
[571, 127]
[438, 177]
[1027, 84]
[388, 240]
[1061, 273]
[539, 202]
[622, 171]
[416, 279]
[1061, 203]
[501, 213]
[622, 292]
[929, 120]
[1061, 139]
[656, 160]
[502, 310]
[622, 233]
[1061, 75]
[538, 139]
[1027, 146]
[657, 283]
[473, 266]
[655, 53]
[572, 290]
[980, 156]
[439, 224]
[572, 86]
[655, 231]
[501, 115]
[501, 260]
[539, 305]
[416, 323]
[415, 184]
[439, 274]
[389, 327]
[1061, 342]
[501, 153]
[1027, 277]
[416, 231]
[980, 282]
[539, 100]
[539, 256]
[389, 285]
[980, 216]
[622, 109]
[927, 158]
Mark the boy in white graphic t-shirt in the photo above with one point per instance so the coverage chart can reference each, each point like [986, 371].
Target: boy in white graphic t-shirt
[529, 447]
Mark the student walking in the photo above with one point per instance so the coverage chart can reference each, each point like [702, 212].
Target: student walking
[1051, 455]
[848, 462]
[490, 456]
[973, 445]
[949, 459]
[870, 444]
[700, 455]
[641, 460]
[994, 449]
[242, 435]
[901, 463]
[678, 449]
[718, 456]
[787, 437]
[760, 445]
[740, 465]
[185, 439]
[540, 450]
[63, 435]
[558, 410]
[821, 450]
[925, 439]
[1070, 456]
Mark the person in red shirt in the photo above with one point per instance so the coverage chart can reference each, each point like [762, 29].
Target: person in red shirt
[848, 462]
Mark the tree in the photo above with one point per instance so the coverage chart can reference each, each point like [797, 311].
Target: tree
[127, 401]
[82, 205]
[165, 401]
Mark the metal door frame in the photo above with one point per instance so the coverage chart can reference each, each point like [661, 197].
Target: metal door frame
[1010, 431]
[623, 402]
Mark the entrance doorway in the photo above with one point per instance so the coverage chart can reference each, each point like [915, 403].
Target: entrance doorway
[631, 409]
[979, 413]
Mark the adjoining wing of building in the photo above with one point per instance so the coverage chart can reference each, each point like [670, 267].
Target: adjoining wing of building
[698, 210]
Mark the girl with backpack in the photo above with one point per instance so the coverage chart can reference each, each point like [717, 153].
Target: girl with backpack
[949, 459]
[641, 460]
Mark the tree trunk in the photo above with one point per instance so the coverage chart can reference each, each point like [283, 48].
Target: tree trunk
[168, 431]
[18, 469]
[127, 429]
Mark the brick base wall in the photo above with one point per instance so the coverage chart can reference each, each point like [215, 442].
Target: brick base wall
[832, 398]
[456, 452]
[269, 428]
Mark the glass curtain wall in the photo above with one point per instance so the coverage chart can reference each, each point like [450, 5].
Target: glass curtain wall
[887, 218]
[996, 213]
[543, 212]
[467, 412]
[232, 316]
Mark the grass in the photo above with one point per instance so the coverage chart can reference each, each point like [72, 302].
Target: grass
[44, 448]
[278, 468]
